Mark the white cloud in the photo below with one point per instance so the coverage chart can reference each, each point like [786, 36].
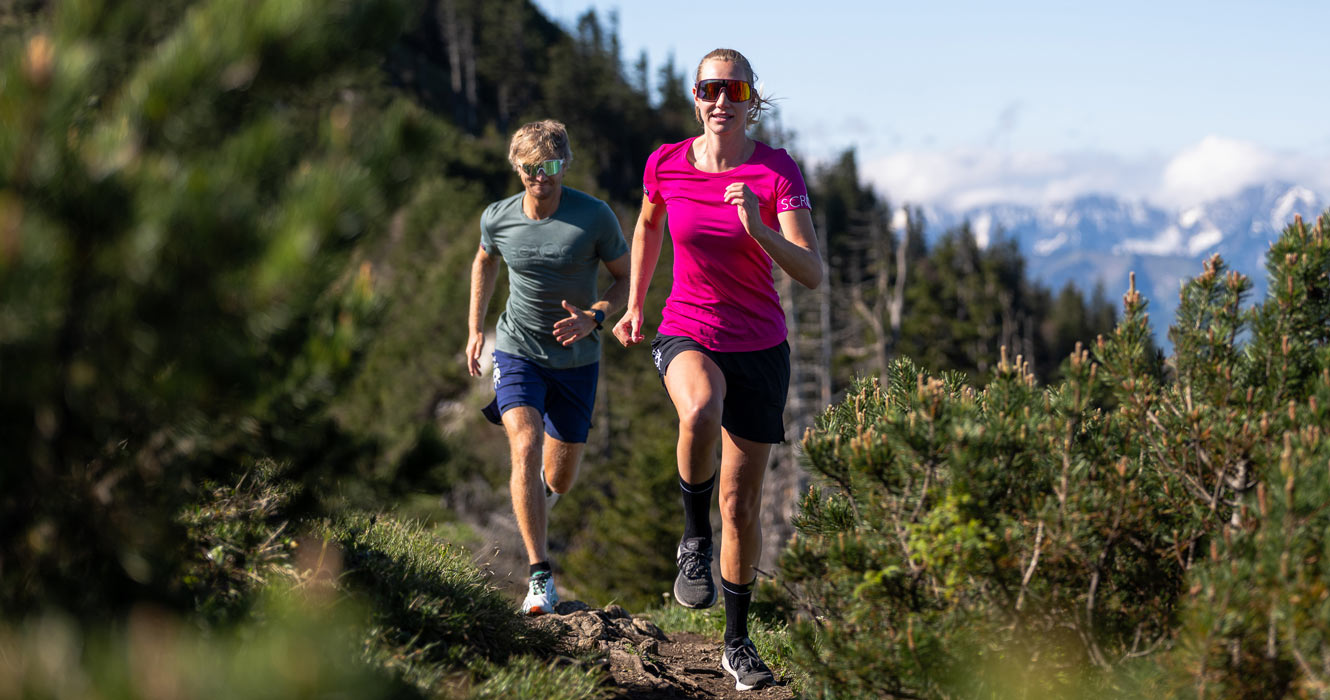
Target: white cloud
[1216, 167]
[965, 177]
[970, 177]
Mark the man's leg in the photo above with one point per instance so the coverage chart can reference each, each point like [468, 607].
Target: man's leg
[526, 434]
[562, 460]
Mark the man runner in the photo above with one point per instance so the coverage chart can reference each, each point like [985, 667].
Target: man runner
[547, 348]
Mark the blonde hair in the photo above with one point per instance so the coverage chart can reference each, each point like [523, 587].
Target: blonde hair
[759, 102]
[538, 141]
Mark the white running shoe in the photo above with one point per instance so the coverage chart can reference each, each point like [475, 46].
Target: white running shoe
[740, 659]
[541, 597]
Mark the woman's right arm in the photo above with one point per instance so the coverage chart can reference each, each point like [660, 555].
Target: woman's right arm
[647, 236]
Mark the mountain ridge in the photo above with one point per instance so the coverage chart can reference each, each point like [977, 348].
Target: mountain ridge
[1100, 239]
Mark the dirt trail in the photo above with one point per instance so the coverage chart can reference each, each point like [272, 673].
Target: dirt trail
[645, 663]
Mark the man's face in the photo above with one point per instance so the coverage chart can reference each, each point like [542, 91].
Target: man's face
[542, 178]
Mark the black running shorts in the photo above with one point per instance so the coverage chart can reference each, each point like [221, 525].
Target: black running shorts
[756, 385]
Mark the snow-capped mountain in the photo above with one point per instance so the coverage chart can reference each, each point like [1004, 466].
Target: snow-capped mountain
[1100, 239]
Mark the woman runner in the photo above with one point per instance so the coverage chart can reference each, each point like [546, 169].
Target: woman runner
[735, 206]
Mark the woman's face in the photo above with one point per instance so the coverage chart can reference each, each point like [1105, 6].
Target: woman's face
[721, 116]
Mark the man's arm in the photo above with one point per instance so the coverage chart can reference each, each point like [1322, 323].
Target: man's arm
[484, 273]
[579, 323]
[617, 293]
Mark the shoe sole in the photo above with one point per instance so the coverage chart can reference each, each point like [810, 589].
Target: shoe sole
[700, 606]
[533, 609]
[739, 685]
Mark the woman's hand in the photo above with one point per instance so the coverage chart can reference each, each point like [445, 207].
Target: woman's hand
[747, 204]
[629, 329]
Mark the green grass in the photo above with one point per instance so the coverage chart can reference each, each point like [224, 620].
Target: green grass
[533, 679]
[430, 605]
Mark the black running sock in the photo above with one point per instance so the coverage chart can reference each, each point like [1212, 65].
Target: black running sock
[541, 566]
[737, 598]
[697, 508]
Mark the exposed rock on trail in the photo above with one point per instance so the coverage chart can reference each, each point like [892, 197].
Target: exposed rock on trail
[645, 663]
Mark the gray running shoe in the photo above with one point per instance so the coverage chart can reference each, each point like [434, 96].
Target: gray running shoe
[740, 660]
[694, 587]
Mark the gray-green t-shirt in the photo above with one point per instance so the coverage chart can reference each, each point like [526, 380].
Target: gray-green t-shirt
[550, 260]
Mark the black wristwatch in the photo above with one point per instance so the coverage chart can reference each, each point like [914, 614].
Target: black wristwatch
[600, 318]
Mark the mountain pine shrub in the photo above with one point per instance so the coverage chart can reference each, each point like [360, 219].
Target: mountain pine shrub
[1141, 525]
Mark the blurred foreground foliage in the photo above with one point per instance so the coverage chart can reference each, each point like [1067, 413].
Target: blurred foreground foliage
[304, 651]
[174, 237]
[1137, 529]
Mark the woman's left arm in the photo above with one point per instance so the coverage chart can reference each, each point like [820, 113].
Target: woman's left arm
[793, 247]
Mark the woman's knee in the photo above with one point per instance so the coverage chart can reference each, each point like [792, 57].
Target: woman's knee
[740, 510]
[700, 417]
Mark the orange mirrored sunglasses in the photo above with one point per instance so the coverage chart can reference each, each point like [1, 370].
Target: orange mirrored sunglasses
[736, 90]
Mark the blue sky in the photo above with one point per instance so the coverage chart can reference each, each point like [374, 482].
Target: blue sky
[964, 103]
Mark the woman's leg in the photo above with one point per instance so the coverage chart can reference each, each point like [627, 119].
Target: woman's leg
[697, 389]
[743, 466]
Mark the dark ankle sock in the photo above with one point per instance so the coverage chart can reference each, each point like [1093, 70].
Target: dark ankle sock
[541, 566]
[697, 507]
[737, 598]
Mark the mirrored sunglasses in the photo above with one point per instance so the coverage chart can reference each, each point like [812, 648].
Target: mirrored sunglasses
[550, 167]
[736, 90]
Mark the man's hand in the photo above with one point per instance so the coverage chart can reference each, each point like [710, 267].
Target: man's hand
[577, 325]
[475, 345]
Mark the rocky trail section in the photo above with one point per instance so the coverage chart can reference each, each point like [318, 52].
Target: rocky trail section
[645, 663]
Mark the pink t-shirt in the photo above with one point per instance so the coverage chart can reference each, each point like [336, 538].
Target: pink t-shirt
[724, 296]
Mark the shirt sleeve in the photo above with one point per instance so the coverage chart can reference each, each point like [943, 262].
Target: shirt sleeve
[791, 192]
[609, 238]
[486, 237]
[650, 185]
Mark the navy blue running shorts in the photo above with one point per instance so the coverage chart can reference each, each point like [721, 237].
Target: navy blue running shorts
[564, 397]
[756, 385]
